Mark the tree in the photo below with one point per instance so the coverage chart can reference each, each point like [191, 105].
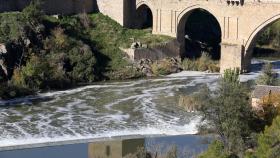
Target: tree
[215, 150]
[228, 111]
[33, 13]
[269, 141]
[268, 76]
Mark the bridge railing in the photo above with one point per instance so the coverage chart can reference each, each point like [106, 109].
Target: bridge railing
[241, 2]
[262, 1]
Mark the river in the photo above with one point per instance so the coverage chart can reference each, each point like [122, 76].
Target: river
[106, 109]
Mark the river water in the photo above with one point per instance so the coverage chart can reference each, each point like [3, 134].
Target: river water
[107, 109]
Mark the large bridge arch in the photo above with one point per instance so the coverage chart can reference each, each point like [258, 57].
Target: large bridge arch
[144, 15]
[251, 42]
[207, 33]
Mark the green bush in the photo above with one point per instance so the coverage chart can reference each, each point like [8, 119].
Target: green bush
[11, 27]
[268, 76]
[270, 36]
[76, 58]
[215, 150]
[34, 74]
[8, 91]
[269, 141]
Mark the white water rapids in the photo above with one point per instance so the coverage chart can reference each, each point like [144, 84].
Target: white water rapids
[141, 107]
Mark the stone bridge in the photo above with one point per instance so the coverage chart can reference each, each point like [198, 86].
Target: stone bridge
[239, 23]
[234, 25]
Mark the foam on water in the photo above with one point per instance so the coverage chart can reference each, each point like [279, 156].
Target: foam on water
[145, 131]
[142, 107]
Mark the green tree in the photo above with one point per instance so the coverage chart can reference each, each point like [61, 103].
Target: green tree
[215, 150]
[228, 111]
[268, 76]
[269, 141]
[34, 74]
[33, 13]
[76, 58]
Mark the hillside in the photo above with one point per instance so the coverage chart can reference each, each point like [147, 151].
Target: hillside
[57, 52]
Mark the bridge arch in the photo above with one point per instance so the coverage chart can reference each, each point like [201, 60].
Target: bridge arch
[144, 15]
[251, 42]
[204, 34]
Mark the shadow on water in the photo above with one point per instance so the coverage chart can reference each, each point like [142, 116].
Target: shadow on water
[257, 66]
[29, 100]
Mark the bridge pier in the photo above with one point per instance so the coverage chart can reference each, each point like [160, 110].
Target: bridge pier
[232, 56]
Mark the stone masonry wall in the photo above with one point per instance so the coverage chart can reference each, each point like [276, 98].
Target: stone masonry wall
[113, 8]
[170, 49]
[51, 6]
[231, 56]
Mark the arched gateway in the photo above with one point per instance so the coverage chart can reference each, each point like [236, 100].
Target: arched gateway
[198, 31]
[143, 17]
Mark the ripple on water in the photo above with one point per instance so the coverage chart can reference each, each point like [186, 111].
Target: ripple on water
[144, 107]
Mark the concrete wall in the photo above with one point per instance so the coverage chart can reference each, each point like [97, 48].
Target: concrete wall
[115, 149]
[108, 149]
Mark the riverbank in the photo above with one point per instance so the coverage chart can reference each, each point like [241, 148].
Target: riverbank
[107, 109]
[40, 52]
[253, 75]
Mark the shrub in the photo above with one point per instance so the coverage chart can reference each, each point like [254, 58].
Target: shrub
[11, 27]
[34, 74]
[268, 76]
[270, 105]
[189, 64]
[189, 103]
[129, 72]
[215, 150]
[82, 62]
[204, 63]
[269, 141]
[162, 67]
[8, 91]
[33, 13]
[76, 58]
[272, 99]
